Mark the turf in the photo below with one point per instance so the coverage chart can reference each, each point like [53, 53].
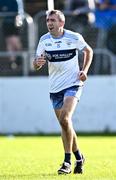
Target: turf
[38, 158]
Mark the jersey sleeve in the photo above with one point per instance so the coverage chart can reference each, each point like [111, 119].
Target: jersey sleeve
[40, 49]
[81, 44]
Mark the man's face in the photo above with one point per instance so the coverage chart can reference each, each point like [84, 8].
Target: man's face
[53, 24]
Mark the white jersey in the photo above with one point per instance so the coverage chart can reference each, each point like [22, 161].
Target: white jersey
[62, 56]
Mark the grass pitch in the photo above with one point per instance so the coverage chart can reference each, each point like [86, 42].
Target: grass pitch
[38, 158]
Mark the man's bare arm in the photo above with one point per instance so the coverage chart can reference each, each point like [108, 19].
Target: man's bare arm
[88, 55]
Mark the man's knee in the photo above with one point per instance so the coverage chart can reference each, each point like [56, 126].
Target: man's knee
[64, 120]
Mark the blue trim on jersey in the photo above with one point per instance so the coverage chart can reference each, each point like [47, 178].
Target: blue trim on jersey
[70, 34]
[44, 37]
[61, 55]
[60, 37]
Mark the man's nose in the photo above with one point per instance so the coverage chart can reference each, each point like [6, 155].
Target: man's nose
[49, 23]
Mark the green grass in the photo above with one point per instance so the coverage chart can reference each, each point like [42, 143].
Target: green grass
[38, 158]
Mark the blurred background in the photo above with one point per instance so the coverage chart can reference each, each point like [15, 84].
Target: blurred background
[24, 100]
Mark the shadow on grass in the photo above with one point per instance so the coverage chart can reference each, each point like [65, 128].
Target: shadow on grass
[39, 175]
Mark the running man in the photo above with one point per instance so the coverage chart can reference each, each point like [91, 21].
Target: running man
[60, 48]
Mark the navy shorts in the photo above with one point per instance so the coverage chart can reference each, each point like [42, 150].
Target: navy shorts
[58, 98]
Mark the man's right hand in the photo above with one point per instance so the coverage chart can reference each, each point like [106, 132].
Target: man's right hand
[39, 62]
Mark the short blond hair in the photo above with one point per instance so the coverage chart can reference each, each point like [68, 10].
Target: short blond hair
[58, 13]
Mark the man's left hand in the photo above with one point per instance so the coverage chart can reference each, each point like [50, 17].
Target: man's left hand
[82, 76]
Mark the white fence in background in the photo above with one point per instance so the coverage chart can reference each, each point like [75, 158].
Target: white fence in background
[25, 106]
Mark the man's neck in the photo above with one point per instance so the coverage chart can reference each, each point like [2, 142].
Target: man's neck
[59, 34]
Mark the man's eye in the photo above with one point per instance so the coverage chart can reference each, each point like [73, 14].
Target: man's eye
[53, 20]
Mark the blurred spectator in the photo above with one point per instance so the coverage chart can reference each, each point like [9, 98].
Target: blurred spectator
[79, 8]
[111, 39]
[32, 7]
[13, 19]
[74, 4]
[105, 13]
[59, 4]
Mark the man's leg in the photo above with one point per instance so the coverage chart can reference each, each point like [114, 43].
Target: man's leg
[58, 114]
[66, 122]
[64, 115]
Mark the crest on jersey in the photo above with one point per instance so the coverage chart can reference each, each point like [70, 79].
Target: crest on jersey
[58, 43]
